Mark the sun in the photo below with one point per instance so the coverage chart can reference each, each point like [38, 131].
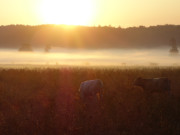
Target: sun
[69, 12]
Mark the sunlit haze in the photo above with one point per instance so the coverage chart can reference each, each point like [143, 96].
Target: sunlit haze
[76, 12]
[123, 13]
[116, 57]
[92, 45]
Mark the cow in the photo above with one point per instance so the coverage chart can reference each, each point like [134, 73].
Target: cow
[90, 89]
[151, 85]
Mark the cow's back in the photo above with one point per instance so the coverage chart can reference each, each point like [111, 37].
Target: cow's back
[157, 85]
[87, 88]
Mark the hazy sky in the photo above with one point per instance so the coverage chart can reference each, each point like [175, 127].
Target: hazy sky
[122, 13]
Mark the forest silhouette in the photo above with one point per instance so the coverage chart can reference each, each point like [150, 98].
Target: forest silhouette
[13, 36]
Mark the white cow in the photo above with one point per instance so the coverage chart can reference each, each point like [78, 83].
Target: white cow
[89, 90]
[154, 84]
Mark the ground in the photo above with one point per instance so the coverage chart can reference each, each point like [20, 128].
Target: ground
[46, 101]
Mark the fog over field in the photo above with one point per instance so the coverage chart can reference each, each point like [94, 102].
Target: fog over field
[129, 57]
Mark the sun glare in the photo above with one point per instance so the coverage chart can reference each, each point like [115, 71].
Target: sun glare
[69, 12]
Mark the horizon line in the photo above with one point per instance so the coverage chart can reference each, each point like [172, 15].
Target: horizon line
[110, 26]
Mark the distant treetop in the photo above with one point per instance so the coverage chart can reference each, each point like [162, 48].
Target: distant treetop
[26, 48]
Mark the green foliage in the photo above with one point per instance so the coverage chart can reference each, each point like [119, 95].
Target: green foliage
[46, 102]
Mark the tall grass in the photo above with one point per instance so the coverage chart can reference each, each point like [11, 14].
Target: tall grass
[45, 101]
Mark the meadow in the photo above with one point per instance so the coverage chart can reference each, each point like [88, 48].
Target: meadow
[45, 101]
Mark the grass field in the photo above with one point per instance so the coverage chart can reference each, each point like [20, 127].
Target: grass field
[45, 101]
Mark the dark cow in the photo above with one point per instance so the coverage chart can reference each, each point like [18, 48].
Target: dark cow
[154, 84]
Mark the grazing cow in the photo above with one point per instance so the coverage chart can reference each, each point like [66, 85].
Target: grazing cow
[154, 84]
[89, 90]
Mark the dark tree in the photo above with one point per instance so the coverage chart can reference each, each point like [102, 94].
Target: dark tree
[47, 48]
[26, 48]
[174, 49]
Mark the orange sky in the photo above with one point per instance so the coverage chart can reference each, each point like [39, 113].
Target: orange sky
[122, 13]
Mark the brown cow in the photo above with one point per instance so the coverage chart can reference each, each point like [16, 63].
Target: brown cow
[154, 84]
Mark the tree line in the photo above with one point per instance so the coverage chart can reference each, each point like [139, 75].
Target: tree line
[13, 36]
